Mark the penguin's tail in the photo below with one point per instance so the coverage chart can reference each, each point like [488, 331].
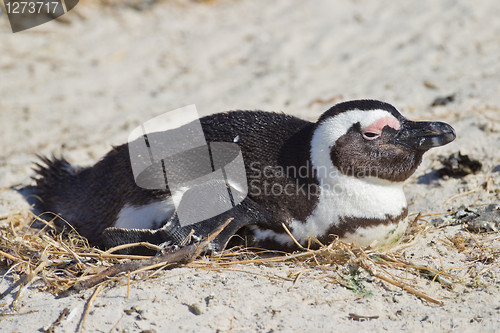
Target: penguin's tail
[52, 177]
[52, 193]
[52, 171]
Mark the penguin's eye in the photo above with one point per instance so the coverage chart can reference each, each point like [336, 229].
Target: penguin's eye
[370, 135]
[374, 130]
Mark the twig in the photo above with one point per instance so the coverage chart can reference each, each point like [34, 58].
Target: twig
[295, 280]
[89, 303]
[62, 246]
[25, 279]
[372, 271]
[128, 284]
[187, 238]
[14, 286]
[357, 317]
[31, 276]
[58, 321]
[291, 236]
[266, 260]
[408, 289]
[9, 256]
[17, 313]
[474, 239]
[17, 294]
[108, 256]
[178, 257]
[317, 241]
[339, 300]
[401, 263]
[126, 246]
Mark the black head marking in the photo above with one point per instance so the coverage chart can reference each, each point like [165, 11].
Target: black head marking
[362, 105]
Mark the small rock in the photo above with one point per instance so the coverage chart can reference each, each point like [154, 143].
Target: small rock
[479, 219]
[194, 309]
[429, 85]
[440, 101]
[487, 219]
[457, 165]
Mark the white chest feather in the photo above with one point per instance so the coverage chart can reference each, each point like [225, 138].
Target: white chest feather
[354, 198]
[349, 197]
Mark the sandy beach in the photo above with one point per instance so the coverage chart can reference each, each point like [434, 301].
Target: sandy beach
[78, 85]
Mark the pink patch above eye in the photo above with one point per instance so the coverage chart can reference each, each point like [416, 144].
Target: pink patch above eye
[377, 127]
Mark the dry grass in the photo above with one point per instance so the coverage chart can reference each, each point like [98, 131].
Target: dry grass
[60, 261]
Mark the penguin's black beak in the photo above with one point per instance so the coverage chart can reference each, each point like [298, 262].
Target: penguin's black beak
[424, 135]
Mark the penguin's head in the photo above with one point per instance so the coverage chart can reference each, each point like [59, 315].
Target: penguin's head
[371, 139]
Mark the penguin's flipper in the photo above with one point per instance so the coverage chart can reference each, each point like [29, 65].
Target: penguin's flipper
[112, 237]
[244, 214]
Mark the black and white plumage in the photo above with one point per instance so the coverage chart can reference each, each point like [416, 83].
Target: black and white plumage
[342, 175]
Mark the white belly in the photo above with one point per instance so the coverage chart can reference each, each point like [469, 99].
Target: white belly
[149, 216]
[352, 198]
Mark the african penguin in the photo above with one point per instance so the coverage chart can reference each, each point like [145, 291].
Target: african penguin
[339, 176]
